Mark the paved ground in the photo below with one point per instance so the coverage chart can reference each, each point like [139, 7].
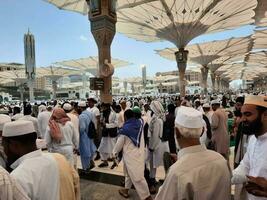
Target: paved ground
[99, 191]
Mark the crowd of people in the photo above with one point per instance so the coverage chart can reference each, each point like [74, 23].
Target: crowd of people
[191, 137]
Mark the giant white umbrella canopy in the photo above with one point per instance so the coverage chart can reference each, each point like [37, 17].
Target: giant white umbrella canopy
[16, 75]
[258, 58]
[254, 62]
[133, 81]
[260, 39]
[81, 6]
[56, 71]
[89, 64]
[40, 72]
[176, 21]
[181, 21]
[5, 80]
[54, 74]
[241, 71]
[205, 53]
[212, 54]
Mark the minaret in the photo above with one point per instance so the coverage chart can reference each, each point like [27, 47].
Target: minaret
[143, 67]
[30, 68]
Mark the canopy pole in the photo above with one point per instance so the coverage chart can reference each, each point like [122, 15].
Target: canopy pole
[181, 59]
[103, 18]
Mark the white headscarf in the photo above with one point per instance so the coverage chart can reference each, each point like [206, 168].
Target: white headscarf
[158, 109]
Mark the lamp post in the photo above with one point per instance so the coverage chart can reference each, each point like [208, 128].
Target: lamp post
[54, 79]
[103, 18]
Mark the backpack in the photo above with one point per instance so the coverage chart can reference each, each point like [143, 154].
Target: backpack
[91, 130]
[166, 132]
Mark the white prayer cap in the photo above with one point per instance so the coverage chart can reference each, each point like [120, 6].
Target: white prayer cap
[17, 128]
[189, 117]
[215, 101]
[4, 119]
[82, 104]
[256, 100]
[67, 106]
[197, 100]
[206, 105]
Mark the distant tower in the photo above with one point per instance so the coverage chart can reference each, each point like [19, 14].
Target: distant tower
[125, 87]
[144, 77]
[30, 68]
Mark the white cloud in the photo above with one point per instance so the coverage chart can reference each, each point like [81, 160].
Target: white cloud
[83, 38]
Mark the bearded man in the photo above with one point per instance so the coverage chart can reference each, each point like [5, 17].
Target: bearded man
[254, 163]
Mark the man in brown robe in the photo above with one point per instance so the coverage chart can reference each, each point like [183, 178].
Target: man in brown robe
[220, 137]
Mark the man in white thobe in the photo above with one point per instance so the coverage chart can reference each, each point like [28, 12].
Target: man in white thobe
[3, 119]
[75, 120]
[198, 106]
[109, 138]
[121, 114]
[198, 174]
[39, 174]
[16, 113]
[96, 119]
[95, 111]
[254, 163]
[156, 146]
[43, 119]
[27, 117]
[207, 111]
[9, 189]
[131, 142]
[36, 172]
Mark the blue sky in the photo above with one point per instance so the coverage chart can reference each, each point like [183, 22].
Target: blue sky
[62, 35]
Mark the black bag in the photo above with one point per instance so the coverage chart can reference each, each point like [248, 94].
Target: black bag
[211, 146]
[166, 133]
[91, 130]
[111, 132]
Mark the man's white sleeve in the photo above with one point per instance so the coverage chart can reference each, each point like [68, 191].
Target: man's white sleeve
[239, 174]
